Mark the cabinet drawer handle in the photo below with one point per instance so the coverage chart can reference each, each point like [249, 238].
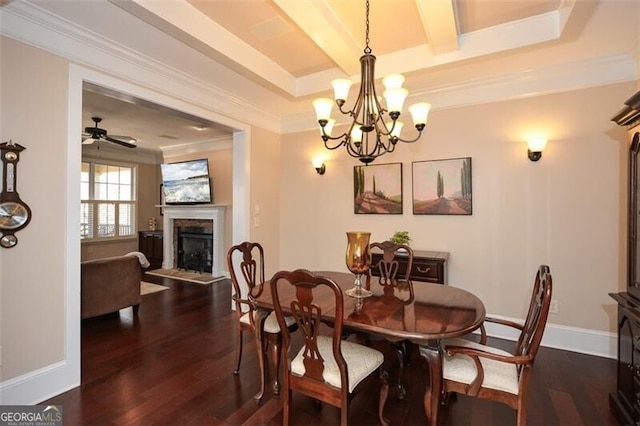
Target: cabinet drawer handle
[423, 271]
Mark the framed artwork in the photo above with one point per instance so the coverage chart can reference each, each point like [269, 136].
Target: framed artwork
[442, 187]
[377, 189]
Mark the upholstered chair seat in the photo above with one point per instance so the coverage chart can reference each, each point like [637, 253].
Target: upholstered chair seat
[498, 375]
[270, 323]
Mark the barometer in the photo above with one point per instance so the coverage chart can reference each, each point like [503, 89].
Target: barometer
[15, 214]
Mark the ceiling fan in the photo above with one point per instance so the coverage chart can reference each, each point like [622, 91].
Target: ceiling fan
[94, 134]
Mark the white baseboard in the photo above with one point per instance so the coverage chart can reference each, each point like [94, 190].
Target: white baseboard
[581, 340]
[39, 385]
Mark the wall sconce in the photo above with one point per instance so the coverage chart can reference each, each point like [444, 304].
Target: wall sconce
[318, 164]
[536, 146]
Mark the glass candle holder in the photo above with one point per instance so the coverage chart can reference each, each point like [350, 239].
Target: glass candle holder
[358, 260]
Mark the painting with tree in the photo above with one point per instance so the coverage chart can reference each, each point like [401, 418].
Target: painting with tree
[377, 189]
[442, 186]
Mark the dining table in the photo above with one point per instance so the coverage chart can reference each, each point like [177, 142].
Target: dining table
[423, 313]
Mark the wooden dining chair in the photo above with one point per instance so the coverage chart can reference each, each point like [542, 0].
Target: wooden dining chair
[482, 371]
[386, 273]
[248, 267]
[325, 368]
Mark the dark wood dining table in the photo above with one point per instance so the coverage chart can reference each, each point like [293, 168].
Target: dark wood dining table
[435, 312]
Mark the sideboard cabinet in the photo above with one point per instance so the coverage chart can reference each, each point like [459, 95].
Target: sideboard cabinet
[428, 266]
[150, 243]
[625, 400]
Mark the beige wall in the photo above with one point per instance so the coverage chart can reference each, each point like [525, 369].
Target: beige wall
[33, 113]
[148, 195]
[563, 211]
[266, 168]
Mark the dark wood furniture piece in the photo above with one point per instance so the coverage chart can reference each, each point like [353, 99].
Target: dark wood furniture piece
[201, 313]
[150, 243]
[495, 374]
[323, 367]
[428, 266]
[436, 312]
[388, 274]
[625, 401]
[245, 262]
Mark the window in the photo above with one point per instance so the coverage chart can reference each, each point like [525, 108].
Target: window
[108, 203]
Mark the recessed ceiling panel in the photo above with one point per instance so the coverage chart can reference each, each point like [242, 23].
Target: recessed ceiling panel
[263, 26]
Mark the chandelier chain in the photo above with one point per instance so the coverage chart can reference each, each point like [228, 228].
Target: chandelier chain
[367, 49]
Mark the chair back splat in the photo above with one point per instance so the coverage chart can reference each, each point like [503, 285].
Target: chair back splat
[322, 366]
[393, 283]
[245, 261]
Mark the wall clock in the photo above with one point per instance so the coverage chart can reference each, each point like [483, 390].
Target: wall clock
[15, 214]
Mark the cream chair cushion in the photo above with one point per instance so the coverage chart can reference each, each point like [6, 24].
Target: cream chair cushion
[361, 361]
[460, 368]
[271, 323]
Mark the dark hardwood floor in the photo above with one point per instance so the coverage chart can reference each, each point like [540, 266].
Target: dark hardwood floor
[173, 365]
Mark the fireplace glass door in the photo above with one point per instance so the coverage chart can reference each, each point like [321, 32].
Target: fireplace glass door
[195, 249]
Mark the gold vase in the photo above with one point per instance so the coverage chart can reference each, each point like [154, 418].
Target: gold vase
[358, 260]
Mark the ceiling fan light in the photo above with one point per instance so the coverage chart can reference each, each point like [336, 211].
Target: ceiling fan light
[341, 88]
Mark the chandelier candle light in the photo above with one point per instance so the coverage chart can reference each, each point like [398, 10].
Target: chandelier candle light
[369, 136]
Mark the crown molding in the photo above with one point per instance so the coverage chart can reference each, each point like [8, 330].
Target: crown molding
[200, 147]
[29, 24]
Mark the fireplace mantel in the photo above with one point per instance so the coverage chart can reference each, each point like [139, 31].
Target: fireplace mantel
[213, 212]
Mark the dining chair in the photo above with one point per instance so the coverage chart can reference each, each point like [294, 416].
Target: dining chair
[325, 368]
[389, 277]
[245, 262]
[482, 371]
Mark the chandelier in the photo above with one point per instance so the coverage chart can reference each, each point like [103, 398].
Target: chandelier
[369, 136]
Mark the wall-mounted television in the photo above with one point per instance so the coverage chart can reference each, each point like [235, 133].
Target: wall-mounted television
[186, 182]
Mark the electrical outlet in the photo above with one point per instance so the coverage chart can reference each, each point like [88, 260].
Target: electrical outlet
[553, 307]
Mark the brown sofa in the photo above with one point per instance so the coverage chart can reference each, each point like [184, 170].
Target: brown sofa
[109, 284]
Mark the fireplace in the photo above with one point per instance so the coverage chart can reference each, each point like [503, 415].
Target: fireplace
[194, 248]
[204, 226]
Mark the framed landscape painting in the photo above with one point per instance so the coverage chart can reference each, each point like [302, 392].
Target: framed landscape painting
[442, 187]
[377, 189]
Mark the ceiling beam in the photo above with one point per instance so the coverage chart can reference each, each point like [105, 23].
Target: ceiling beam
[318, 20]
[439, 22]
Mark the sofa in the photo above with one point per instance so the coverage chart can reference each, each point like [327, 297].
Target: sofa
[109, 284]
